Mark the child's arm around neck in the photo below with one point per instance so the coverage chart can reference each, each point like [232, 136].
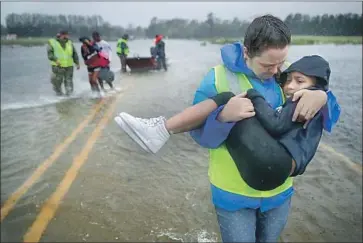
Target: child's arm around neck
[276, 122]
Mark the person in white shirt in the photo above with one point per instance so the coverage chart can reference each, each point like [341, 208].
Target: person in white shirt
[106, 52]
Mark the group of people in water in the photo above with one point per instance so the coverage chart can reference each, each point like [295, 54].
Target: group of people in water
[96, 53]
[261, 119]
[97, 56]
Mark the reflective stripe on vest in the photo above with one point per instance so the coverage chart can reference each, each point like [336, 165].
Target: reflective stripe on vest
[223, 172]
[63, 55]
[119, 50]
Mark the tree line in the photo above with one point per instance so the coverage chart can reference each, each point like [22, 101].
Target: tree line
[43, 25]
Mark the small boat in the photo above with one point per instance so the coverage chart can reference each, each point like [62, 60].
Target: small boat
[143, 64]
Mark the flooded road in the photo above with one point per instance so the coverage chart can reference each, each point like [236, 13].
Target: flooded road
[98, 185]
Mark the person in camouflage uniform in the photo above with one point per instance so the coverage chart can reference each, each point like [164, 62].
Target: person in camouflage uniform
[62, 56]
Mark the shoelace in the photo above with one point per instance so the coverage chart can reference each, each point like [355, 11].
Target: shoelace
[151, 122]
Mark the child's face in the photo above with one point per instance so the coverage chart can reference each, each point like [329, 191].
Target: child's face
[296, 81]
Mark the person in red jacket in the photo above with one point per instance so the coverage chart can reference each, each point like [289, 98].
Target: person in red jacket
[160, 52]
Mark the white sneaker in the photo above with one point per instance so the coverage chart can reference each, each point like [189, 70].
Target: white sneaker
[102, 94]
[150, 132]
[96, 94]
[129, 132]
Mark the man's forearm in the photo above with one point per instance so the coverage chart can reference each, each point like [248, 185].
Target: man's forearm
[194, 116]
[191, 118]
[213, 132]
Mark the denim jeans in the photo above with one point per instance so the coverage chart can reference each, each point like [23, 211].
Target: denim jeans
[252, 225]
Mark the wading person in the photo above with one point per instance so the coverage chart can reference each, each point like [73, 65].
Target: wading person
[123, 51]
[160, 52]
[62, 56]
[246, 214]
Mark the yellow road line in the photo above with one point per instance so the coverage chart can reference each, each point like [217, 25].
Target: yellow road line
[353, 165]
[49, 208]
[12, 200]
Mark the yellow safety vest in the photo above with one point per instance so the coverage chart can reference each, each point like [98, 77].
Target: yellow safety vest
[119, 50]
[63, 55]
[223, 172]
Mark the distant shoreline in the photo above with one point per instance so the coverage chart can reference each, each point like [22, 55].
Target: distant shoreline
[296, 40]
[36, 41]
[303, 40]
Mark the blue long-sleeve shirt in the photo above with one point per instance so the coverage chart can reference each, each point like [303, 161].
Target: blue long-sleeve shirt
[213, 133]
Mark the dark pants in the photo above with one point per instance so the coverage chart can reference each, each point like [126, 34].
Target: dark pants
[62, 75]
[100, 81]
[123, 58]
[162, 63]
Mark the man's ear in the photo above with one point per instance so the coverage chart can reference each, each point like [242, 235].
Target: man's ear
[245, 53]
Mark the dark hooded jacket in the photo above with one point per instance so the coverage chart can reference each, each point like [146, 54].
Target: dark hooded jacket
[274, 133]
[160, 46]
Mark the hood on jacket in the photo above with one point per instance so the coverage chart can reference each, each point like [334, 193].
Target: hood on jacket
[314, 66]
[232, 57]
[158, 38]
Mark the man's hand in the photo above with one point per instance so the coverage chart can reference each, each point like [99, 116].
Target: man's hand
[238, 108]
[57, 62]
[311, 101]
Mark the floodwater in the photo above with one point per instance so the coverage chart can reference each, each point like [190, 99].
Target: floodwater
[102, 187]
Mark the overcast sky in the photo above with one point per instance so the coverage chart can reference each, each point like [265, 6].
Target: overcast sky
[140, 13]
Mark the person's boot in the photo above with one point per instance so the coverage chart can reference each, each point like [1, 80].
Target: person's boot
[59, 93]
[69, 92]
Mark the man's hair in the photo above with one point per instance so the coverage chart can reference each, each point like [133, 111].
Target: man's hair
[96, 34]
[63, 32]
[266, 32]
